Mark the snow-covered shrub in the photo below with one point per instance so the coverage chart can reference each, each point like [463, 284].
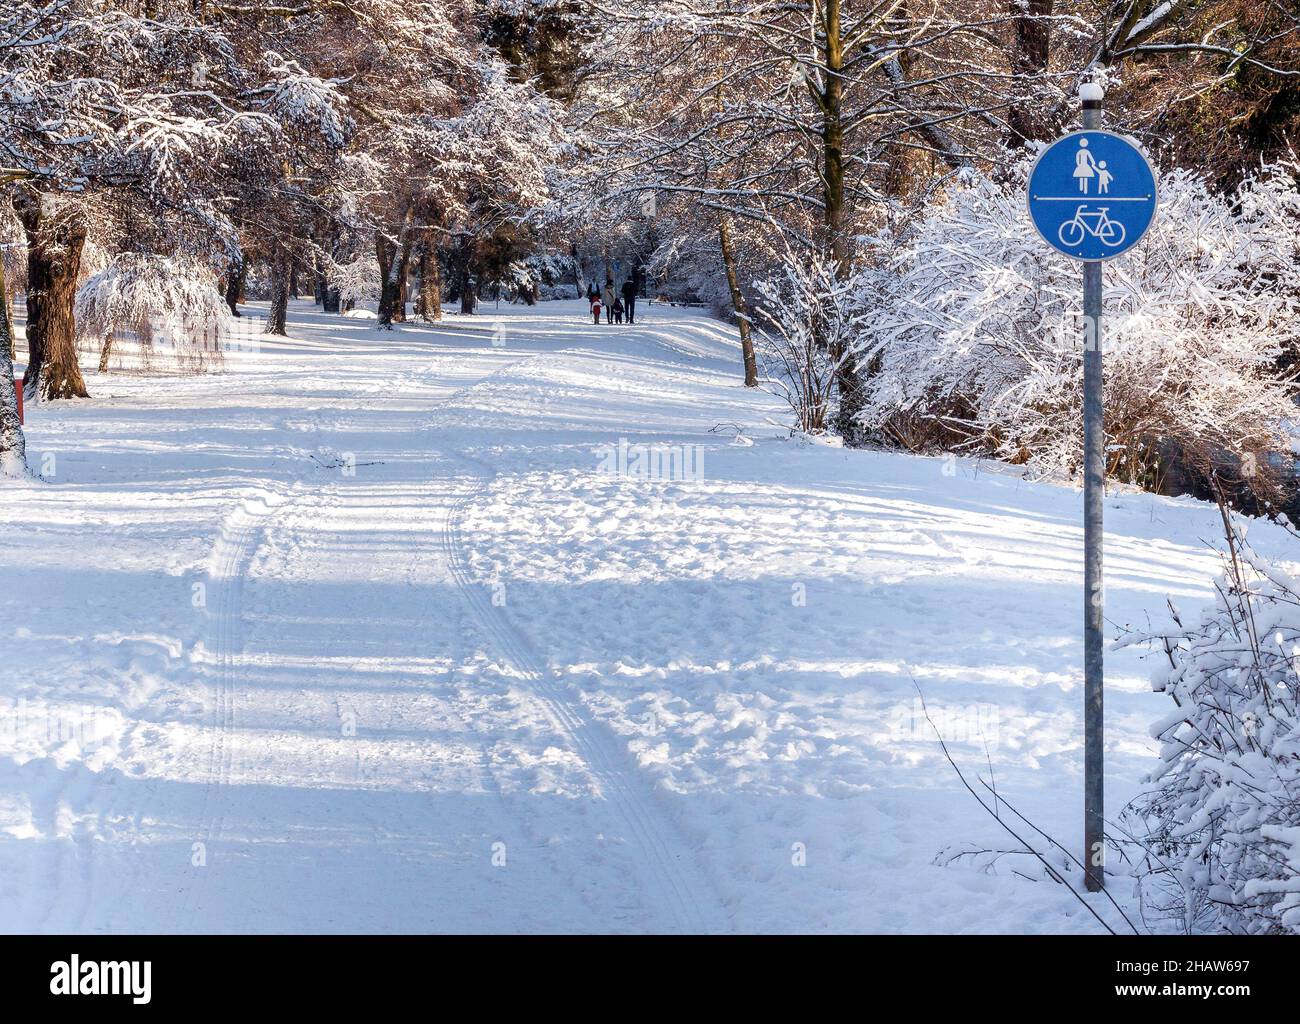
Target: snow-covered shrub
[549, 269]
[687, 265]
[807, 319]
[520, 280]
[357, 279]
[563, 290]
[152, 303]
[1219, 825]
[981, 330]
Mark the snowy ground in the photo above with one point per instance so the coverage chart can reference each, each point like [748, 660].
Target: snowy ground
[357, 636]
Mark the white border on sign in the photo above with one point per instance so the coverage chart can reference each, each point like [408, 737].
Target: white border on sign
[1155, 179]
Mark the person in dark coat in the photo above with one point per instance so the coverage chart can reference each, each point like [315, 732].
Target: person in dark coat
[629, 298]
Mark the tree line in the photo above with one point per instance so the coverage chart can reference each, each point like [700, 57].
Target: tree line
[773, 159]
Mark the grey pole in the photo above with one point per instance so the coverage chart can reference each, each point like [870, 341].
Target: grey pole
[1094, 484]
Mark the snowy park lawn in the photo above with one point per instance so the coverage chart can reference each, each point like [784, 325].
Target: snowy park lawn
[362, 634]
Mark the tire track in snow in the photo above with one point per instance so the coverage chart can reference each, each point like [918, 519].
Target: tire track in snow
[230, 560]
[241, 536]
[692, 901]
[673, 874]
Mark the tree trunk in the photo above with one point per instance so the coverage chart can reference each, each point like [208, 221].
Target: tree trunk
[277, 321]
[385, 256]
[461, 267]
[402, 275]
[54, 246]
[1028, 61]
[579, 278]
[106, 351]
[13, 447]
[399, 300]
[467, 297]
[318, 285]
[419, 305]
[430, 282]
[6, 321]
[833, 138]
[738, 302]
[848, 380]
[331, 300]
[235, 285]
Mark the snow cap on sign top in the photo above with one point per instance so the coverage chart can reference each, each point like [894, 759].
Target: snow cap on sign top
[1091, 91]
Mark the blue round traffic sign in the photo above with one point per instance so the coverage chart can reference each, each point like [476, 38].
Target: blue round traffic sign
[1092, 195]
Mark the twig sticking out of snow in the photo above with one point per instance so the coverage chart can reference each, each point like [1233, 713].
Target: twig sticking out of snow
[1052, 872]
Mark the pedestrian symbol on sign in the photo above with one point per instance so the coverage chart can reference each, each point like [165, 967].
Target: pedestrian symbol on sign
[1083, 166]
[1092, 195]
[1087, 167]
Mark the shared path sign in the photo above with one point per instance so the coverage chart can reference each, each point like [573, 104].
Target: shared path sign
[1092, 195]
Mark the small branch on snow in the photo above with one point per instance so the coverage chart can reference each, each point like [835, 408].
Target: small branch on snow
[1051, 871]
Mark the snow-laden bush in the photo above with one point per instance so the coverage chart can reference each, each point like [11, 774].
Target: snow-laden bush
[147, 304]
[1219, 825]
[562, 290]
[549, 268]
[702, 278]
[520, 280]
[357, 279]
[687, 266]
[807, 318]
[980, 332]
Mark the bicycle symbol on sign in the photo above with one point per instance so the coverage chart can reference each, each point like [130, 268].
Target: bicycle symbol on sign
[1091, 222]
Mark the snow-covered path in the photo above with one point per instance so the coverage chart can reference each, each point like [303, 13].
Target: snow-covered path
[358, 636]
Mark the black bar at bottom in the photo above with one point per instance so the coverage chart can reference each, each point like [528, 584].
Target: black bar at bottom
[608, 976]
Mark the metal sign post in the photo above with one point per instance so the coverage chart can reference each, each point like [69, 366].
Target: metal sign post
[1092, 196]
[1094, 490]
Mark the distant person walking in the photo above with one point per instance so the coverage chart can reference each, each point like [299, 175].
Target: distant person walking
[607, 300]
[629, 298]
